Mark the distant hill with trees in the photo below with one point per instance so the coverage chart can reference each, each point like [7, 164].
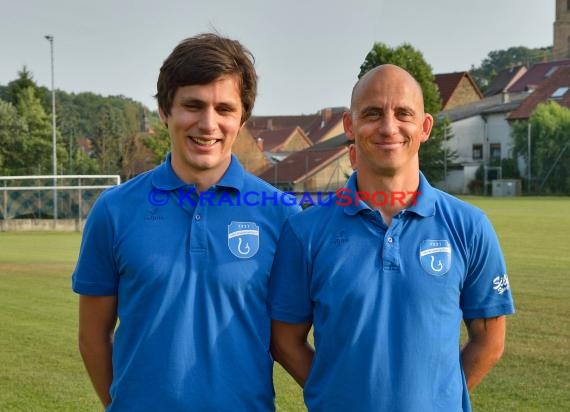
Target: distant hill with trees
[95, 134]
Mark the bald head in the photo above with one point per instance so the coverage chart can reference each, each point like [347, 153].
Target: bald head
[385, 74]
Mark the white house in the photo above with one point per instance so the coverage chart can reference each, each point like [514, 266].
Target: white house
[481, 134]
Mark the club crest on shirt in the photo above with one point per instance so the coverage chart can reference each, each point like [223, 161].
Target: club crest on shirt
[243, 239]
[435, 256]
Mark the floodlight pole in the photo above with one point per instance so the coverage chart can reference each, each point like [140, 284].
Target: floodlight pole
[53, 137]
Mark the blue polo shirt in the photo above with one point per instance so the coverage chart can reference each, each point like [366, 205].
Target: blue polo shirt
[191, 279]
[386, 303]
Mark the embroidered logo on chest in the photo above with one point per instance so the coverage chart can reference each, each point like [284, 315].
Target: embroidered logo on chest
[243, 239]
[435, 256]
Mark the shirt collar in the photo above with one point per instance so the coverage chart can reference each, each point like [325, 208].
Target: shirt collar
[165, 178]
[425, 199]
[353, 208]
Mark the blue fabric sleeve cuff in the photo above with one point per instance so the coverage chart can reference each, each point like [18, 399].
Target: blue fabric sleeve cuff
[287, 317]
[492, 312]
[92, 289]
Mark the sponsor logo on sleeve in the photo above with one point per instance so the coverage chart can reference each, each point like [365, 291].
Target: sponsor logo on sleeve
[501, 284]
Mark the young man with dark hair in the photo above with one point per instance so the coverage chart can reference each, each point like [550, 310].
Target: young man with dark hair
[186, 280]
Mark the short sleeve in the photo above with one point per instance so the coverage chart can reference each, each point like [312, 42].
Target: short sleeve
[486, 291]
[95, 272]
[289, 297]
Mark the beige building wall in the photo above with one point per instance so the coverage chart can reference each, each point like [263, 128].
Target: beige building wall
[334, 131]
[330, 178]
[463, 94]
[248, 153]
[295, 143]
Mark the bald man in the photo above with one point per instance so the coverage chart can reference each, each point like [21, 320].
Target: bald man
[386, 275]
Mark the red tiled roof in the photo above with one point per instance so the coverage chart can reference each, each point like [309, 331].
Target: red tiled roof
[272, 139]
[300, 165]
[505, 79]
[535, 75]
[543, 93]
[315, 126]
[319, 130]
[258, 124]
[447, 83]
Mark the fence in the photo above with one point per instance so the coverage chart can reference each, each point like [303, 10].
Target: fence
[30, 201]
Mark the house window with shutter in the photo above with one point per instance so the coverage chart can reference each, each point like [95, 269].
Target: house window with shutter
[477, 152]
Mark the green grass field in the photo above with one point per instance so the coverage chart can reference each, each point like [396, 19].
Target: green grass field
[40, 367]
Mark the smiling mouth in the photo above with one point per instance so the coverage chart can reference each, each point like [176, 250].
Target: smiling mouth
[390, 145]
[203, 142]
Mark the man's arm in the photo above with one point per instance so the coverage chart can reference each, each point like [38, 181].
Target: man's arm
[290, 348]
[97, 320]
[483, 349]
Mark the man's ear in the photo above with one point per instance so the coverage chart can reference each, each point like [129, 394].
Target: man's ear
[426, 127]
[347, 123]
[352, 156]
[163, 117]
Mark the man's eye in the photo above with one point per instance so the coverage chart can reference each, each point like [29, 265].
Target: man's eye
[372, 114]
[226, 109]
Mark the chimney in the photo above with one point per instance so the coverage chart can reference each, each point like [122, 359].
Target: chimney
[326, 115]
[269, 124]
[259, 142]
[506, 98]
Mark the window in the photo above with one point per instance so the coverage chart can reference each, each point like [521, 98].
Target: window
[477, 152]
[558, 93]
[495, 151]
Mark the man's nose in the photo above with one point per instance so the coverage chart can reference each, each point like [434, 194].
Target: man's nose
[207, 121]
[388, 125]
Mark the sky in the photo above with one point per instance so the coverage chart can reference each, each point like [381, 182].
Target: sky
[307, 52]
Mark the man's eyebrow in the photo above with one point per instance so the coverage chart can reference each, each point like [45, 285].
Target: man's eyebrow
[188, 100]
[406, 108]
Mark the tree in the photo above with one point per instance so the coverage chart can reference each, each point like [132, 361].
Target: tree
[11, 130]
[432, 155]
[26, 136]
[24, 81]
[38, 136]
[550, 147]
[159, 141]
[504, 59]
[108, 140]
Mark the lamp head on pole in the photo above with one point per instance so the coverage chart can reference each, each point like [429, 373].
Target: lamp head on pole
[49, 37]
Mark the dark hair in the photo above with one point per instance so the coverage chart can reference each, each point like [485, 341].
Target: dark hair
[201, 60]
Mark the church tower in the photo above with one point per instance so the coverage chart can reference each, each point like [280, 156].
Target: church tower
[561, 48]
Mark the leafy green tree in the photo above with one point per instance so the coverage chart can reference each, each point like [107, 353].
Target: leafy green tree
[432, 155]
[110, 123]
[108, 140]
[550, 147]
[159, 141]
[504, 59]
[38, 136]
[11, 143]
[27, 136]
[24, 81]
